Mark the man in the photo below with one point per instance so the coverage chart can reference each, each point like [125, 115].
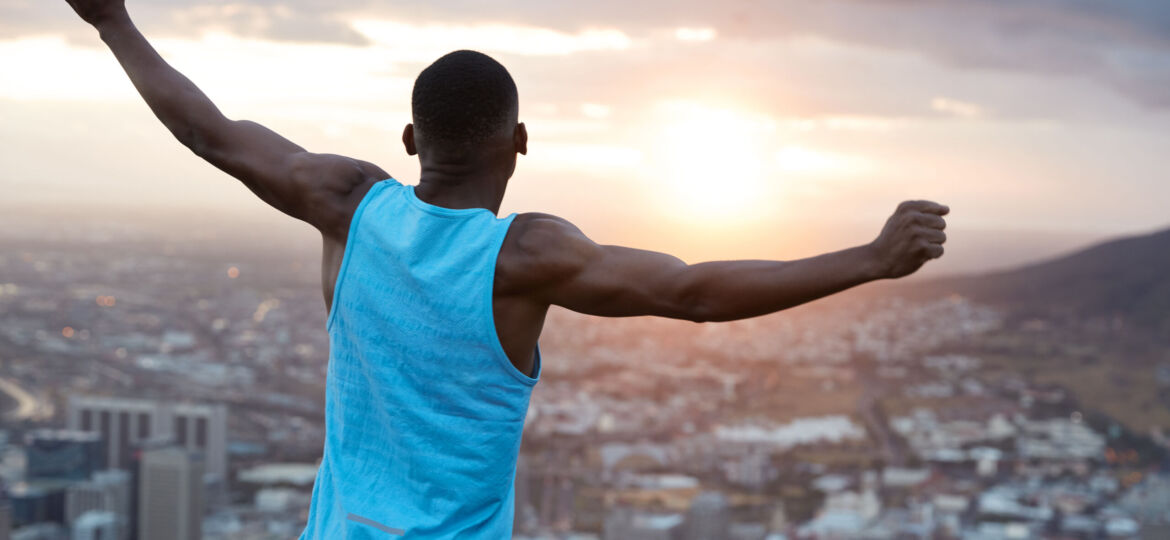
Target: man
[436, 304]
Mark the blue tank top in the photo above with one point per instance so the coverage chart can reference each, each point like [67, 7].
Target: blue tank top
[423, 409]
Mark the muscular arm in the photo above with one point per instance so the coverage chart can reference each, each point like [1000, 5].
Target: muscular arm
[310, 187]
[558, 265]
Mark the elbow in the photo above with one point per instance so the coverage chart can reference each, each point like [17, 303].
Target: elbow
[706, 313]
[191, 138]
[198, 135]
[698, 310]
[692, 299]
[699, 318]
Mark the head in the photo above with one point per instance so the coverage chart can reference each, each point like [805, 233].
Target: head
[465, 111]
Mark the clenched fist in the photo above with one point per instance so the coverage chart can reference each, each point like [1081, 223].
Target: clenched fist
[96, 11]
[912, 236]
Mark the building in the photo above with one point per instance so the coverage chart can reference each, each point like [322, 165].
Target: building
[41, 531]
[5, 514]
[708, 518]
[96, 525]
[36, 503]
[628, 524]
[170, 494]
[63, 454]
[123, 423]
[107, 493]
[523, 512]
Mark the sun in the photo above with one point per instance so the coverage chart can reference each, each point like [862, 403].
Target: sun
[711, 162]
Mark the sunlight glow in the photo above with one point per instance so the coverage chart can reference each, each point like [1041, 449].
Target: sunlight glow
[694, 34]
[595, 111]
[48, 67]
[562, 156]
[800, 160]
[712, 161]
[875, 124]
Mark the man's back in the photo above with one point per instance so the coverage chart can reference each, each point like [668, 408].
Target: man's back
[424, 411]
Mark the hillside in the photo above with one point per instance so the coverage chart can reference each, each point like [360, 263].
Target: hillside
[1127, 278]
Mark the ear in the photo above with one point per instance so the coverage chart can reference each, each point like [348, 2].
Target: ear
[520, 139]
[408, 140]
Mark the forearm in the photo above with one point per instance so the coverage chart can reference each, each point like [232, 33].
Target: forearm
[731, 290]
[184, 109]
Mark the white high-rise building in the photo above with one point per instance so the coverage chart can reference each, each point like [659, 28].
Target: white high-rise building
[96, 525]
[170, 494]
[107, 492]
[123, 423]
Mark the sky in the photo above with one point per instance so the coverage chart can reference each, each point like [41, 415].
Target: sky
[711, 130]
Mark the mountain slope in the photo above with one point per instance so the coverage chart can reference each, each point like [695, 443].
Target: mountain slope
[1127, 278]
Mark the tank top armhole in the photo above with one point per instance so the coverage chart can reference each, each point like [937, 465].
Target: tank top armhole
[350, 240]
[494, 339]
[536, 361]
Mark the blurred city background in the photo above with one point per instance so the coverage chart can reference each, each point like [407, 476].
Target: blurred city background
[162, 342]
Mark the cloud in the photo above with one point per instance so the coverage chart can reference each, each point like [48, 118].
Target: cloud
[813, 162]
[308, 21]
[955, 107]
[1123, 45]
[279, 22]
[501, 38]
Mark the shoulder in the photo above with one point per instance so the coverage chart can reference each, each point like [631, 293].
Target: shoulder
[536, 236]
[332, 187]
[541, 249]
[331, 173]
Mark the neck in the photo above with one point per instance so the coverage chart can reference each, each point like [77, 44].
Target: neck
[460, 186]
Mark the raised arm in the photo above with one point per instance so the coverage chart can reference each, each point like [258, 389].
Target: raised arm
[315, 188]
[551, 262]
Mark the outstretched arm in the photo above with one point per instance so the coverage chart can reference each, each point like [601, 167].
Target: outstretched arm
[311, 187]
[558, 265]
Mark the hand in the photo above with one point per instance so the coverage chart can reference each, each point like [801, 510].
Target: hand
[912, 236]
[97, 11]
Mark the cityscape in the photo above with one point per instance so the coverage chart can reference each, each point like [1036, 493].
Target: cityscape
[163, 343]
[170, 385]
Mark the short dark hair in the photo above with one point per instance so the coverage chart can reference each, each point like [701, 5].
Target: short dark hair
[463, 98]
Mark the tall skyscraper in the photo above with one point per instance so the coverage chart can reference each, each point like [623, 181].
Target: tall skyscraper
[63, 455]
[123, 423]
[170, 494]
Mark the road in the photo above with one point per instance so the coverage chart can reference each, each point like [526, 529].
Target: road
[28, 407]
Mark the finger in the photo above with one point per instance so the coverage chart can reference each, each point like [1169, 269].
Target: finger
[933, 236]
[934, 251]
[933, 221]
[937, 209]
[928, 207]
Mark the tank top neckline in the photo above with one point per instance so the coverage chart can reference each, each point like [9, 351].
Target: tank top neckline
[441, 210]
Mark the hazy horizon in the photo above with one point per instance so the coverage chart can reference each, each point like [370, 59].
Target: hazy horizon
[975, 252]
